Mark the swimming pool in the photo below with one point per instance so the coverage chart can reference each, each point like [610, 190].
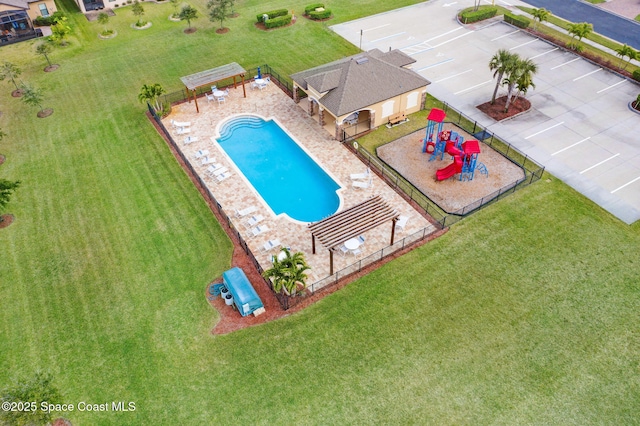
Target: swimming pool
[284, 175]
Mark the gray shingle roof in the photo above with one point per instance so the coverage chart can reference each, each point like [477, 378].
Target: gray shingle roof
[361, 80]
[22, 4]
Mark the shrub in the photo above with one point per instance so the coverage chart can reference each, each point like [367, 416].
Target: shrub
[320, 15]
[469, 16]
[312, 7]
[273, 14]
[42, 21]
[517, 20]
[279, 21]
[636, 75]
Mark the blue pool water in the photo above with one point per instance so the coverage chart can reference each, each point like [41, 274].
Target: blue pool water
[284, 175]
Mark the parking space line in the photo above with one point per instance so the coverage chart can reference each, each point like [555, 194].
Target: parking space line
[610, 87]
[548, 128]
[587, 74]
[472, 87]
[389, 36]
[626, 184]
[566, 63]
[571, 146]
[524, 44]
[452, 76]
[444, 34]
[435, 65]
[602, 162]
[376, 28]
[544, 53]
[505, 35]
[455, 38]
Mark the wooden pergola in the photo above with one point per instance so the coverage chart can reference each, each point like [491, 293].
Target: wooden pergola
[350, 223]
[208, 77]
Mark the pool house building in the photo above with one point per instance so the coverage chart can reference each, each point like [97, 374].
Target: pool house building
[368, 89]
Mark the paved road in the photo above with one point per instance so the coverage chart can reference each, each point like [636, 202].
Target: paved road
[580, 126]
[605, 23]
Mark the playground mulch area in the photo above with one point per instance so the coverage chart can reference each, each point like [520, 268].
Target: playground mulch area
[406, 157]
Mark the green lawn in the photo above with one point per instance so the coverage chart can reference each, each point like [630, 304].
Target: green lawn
[526, 312]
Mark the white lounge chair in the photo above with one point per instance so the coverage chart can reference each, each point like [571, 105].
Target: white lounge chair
[190, 139]
[270, 245]
[208, 160]
[402, 222]
[362, 185]
[365, 175]
[201, 153]
[211, 169]
[246, 211]
[183, 130]
[253, 221]
[178, 124]
[223, 176]
[219, 171]
[260, 229]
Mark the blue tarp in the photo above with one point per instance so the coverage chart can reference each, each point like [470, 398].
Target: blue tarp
[244, 295]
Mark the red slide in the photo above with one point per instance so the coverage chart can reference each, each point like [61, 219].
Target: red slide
[451, 169]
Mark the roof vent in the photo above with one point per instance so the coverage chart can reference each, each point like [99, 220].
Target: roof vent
[362, 60]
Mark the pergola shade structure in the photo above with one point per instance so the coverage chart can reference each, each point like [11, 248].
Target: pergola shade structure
[205, 78]
[350, 223]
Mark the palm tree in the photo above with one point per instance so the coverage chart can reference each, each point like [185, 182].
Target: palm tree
[540, 15]
[500, 63]
[627, 51]
[288, 275]
[521, 76]
[151, 93]
[578, 31]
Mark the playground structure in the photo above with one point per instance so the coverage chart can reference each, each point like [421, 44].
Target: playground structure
[464, 154]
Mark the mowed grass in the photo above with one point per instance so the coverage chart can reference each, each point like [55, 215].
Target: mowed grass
[526, 312]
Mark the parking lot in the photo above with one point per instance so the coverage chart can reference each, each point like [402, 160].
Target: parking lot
[580, 126]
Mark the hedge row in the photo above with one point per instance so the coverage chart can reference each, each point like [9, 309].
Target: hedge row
[312, 7]
[279, 21]
[517, 20]
[320, 15]
[272, 14]
[636, 75]
[42, 21]
[468, 17]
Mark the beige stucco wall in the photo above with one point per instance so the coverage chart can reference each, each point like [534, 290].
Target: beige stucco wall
[34, 8]
[393, 106]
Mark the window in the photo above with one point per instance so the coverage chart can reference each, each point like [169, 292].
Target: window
[387, 109]
[412, 100]
[43, 9]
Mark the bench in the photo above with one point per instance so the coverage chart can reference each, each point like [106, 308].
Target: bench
[397, 118]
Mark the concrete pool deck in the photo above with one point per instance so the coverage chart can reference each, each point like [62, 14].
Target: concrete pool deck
[235, 193]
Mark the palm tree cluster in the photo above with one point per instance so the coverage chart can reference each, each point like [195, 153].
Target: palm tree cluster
[151, 93]
[629, 52]
[513, 71]
[579, 31]
[288, 274]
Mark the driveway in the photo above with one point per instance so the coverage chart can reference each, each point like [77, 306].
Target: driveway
[580, 127]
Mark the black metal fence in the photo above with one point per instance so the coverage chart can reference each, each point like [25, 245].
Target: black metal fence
[532, 171]
[286, 301]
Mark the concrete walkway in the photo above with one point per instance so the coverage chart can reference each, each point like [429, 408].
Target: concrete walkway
[580, 126]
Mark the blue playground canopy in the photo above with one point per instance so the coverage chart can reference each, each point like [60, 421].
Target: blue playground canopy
[244, 295]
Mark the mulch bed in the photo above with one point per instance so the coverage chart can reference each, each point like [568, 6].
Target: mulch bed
[7, 219]
[190, 30]
[45, 112]
[17, 93]
[51, 68]
[222, 30]
[496, 111]
[2, 159]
